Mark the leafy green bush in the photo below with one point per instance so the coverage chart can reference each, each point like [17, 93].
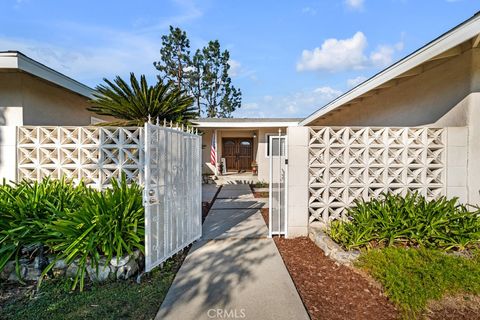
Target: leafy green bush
[411, 277]
[408, 221]
[109, 223]
[260, 184]
[25, 208]
[74, 222]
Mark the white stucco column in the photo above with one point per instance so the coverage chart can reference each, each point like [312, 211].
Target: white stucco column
[11, 117]
[456, 166]
[473, 155]
[297, 181]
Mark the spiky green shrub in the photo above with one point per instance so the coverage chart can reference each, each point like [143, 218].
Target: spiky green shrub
[109, 223]
[25, 208]
[71, 221]
[408, 221]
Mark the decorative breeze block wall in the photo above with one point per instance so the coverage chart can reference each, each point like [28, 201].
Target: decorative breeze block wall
[359, 163]
[91, 154]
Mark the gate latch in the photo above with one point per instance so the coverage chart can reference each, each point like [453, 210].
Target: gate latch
[286, 161]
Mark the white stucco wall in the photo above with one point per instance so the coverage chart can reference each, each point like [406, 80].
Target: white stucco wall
[419, 100]
[42, 103]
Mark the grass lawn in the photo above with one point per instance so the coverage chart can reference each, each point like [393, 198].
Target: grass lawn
[413, 277]
[114, 300]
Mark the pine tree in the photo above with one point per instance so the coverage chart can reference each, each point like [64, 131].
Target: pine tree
[174, 58]
[204, 75]
[221, 98]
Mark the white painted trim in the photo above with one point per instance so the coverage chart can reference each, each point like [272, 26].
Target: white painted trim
[270, 193]
[286, 185]
[280, 137]
[252, 125]
[18, 61]
[458, 35]
[267, 139]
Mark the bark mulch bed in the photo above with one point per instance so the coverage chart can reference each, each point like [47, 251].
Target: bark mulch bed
[264, 212]
[460, 307]
[260, 194]
[329, 290]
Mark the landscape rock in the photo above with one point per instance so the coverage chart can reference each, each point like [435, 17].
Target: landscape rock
[128, 270]
[31, 273]
[7, 270]
[72, 270]
[60, 264]
[125, 268]
[100, 275]
[136, 254]
[330, 247]
[14, 276]
[118, 262]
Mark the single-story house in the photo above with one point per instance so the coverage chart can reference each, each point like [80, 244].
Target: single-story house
[437, 86]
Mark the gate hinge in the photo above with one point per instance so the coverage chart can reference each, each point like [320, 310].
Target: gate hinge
[286, 161]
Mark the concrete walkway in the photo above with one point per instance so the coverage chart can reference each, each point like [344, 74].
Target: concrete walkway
[234, 271]
[208, 192]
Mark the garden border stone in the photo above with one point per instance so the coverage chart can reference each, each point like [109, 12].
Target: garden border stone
[126, 267]
[316, 232]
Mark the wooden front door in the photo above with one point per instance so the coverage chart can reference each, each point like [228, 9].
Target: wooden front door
[238, 154]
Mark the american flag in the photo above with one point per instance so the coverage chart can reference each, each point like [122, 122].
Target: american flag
[213, 151]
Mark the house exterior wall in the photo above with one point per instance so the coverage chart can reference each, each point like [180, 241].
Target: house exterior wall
[445, 95]
[28, 100]
[41, 103]
[423, 99]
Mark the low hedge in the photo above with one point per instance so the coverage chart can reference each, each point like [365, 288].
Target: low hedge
[409, 220]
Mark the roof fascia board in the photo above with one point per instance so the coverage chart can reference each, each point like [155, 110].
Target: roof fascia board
[200, 124]
[23, 63]
[451, 39]
[9, 62]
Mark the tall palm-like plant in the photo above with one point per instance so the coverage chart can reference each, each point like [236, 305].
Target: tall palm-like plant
[135, 103]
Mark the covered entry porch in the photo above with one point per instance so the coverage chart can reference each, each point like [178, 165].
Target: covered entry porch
[239, 146]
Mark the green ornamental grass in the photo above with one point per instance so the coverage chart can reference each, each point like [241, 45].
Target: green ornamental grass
[409, 220]
[71, 221]
[26, 208]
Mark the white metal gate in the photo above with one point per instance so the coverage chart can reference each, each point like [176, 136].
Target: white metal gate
[278, 186]
[173, 192]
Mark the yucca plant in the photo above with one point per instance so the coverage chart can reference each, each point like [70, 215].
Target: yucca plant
[26, 207]
[134, 103]
[109, 223]
[409, 220]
